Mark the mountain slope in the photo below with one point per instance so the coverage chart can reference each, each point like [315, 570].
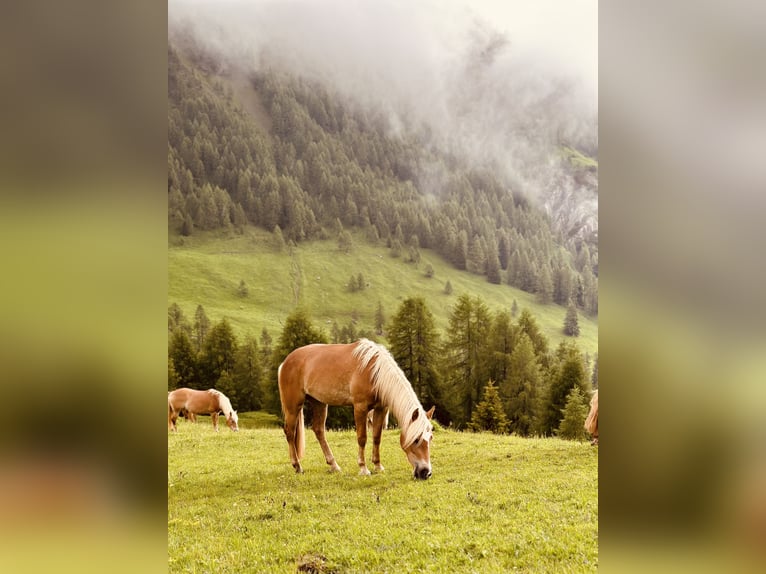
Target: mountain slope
[207, 269]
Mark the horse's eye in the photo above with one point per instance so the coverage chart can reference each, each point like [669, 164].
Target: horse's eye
[417, 440]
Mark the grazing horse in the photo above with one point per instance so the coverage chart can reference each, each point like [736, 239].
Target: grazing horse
[591, 423]
[194, 402]
[365, 376]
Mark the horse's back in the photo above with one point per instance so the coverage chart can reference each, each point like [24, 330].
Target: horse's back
[323, 371]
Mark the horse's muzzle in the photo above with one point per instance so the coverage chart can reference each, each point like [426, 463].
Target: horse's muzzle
[422, 473]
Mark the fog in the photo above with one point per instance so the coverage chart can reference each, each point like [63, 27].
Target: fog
[501, 83]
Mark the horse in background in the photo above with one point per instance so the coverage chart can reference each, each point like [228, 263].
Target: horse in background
[591, 422]
[210, 402]
[365, 376]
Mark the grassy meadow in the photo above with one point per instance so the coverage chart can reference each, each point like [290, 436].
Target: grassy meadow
[493, 504]
[206, 270]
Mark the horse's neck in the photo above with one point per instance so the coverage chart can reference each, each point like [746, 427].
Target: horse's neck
[224, 406]
[403, 401]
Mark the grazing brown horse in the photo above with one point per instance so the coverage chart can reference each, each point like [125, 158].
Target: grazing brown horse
[365, 376]
[591, 423]
[194, 402]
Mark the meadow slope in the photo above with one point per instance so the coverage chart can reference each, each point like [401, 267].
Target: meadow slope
[206, 269]
[494, 504]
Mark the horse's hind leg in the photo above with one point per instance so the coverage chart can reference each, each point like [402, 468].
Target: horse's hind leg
[318, 425]
[172, 416]
[215, 421]
[360, 419]
[378, 420]
[295, 437]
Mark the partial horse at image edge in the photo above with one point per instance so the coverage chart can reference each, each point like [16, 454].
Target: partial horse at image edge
[194, 402]
[363, 375]
[591, 422]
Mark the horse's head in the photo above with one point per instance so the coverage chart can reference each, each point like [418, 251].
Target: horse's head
[233, 421]
[418, 451]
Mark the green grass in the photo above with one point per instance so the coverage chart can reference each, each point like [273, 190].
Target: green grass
[494, 504]
[206, 269]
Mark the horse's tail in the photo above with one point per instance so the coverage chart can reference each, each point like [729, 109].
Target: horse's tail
[591, 422]
[300, 437]
[171, 424]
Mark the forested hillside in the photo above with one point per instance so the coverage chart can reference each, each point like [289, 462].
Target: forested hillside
[289, 154]
[299, 157]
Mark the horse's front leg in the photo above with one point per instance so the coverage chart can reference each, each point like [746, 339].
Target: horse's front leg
[360, 420]
[215, 421]
[378, 419]
[318, 421]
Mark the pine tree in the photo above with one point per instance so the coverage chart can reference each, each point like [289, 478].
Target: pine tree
[279, 239]
[448, 288]
[201, 327]
[493, 269]
[247, 376]
[414, 343]
[466, 356]
[345, 242]
[544, 286]
[380, 319]
[488, 414]
[571, 325]
[594, 376]
[219, 353]
[568, 375]
[574, 413]
[521, 388]
[514, 309]
[242, 290]
[184, 359]
[172, 375]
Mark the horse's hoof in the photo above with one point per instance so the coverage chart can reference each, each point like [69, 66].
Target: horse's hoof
[379, 468]
[364, 472]
[335, 468]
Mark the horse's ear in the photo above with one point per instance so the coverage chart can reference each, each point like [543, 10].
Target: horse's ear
[430, 412]
[415, 414]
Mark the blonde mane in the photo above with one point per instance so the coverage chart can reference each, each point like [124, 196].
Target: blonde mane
[223, 402]
[392, 389]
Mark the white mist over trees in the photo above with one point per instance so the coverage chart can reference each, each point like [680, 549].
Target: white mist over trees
[505, 85]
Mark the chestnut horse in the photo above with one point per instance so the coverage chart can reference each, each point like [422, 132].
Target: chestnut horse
[365, 376]
[591, 423]
[194, 402]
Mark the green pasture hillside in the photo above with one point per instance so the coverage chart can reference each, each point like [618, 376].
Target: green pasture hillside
[207, 268]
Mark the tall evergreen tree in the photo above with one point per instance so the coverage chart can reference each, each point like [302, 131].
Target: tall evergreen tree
[520, 390]
[248, 375]
[201, 327]
[172, 375]
[574, 412]
[184, 358]
[571, 325]
[488, 414]
[465, 355]
[569, 374]
[218, 353]
[594, 376]
[544, 286]
[380, 319]
[177, 319]
[414, 343]
[528, 325]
